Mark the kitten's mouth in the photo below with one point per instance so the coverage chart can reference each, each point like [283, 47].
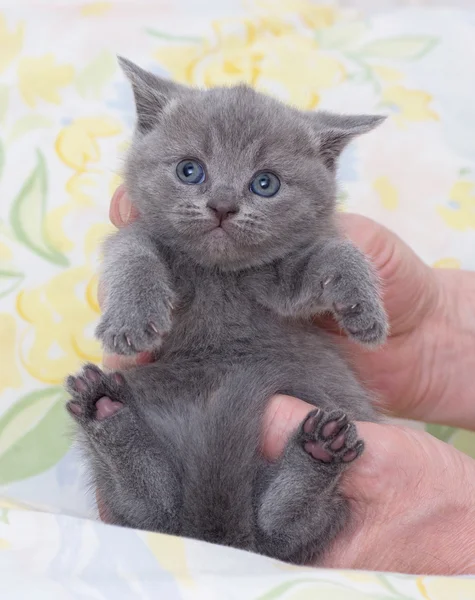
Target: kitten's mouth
[219, 230]
[220, 227]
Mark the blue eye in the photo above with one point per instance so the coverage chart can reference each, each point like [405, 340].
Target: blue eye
[265, 184]
[190, 172]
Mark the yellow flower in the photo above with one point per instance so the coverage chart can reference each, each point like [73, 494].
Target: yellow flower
[10, 43]
[447, 263]
[413, 105]
[445, 588]
[460, 214]
[267, 53]
[5, 252]
[286, 65]
[41, 77]
[226, 61]
[95, 9]
[170, 553]
[316, 17]
[77, 144]
[9, 373]
[312, 14]
[61, 314]
[387, 192]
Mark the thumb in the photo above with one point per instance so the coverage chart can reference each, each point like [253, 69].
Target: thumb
[121, 210]
[282, 417]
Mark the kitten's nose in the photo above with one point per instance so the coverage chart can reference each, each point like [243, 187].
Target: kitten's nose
[222, 208]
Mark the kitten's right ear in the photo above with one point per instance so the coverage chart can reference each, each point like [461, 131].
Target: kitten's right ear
[151, 94]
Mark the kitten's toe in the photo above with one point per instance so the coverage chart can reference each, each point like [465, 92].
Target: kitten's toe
[130, 336]
[330, 438]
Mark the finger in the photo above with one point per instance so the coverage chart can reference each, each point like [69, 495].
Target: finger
[386, 453]
[117, 362]
[377, 486]
[122, 211]
[282, 417]
[409, 285]
[102, 509]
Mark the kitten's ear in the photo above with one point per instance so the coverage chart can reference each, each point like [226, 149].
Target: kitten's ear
[151, 93]
[336, 131]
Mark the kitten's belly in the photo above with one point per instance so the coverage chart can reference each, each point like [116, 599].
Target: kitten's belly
[248, 335]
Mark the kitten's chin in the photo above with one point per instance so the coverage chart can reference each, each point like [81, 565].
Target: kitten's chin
[219, 249]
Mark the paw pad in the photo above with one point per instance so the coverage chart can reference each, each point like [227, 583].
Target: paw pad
[330, 438]
[95, 395]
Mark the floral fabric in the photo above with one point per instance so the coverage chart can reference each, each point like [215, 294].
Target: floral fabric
[66, 114]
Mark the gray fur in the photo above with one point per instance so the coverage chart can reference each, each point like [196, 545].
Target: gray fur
[226, 310]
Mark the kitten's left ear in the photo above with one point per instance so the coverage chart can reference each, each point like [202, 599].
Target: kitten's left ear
[151, 93]
[336, 131]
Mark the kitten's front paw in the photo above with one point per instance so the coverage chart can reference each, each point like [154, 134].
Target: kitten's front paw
[365, 322]
[133, 327]
[359, 311]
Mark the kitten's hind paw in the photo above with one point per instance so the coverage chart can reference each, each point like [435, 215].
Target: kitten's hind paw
[330, 438]
[95, 395]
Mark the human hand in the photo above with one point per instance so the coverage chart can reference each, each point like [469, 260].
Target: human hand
[412, 507]
[424, 370]
[419, 373]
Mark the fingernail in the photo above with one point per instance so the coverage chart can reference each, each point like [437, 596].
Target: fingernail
[125, 207]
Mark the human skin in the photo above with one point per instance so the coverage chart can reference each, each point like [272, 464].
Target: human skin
[409, 511]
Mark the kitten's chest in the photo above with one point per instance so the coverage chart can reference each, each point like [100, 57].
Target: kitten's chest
[213, 309]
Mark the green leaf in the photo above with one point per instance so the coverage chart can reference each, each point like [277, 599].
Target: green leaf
[96, 74]
[464, 441]
[408, 47]
[341, 36]
[28, 123]
[441, 432]
[9, 281]
[170, 37]
[3, 101]
[28, 212]
[32, 435]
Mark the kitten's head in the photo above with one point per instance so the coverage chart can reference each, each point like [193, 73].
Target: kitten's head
[229, 176]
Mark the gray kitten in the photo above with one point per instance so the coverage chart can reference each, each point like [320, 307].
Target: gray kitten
[236, 248]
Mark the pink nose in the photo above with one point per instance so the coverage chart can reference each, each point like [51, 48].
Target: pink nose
[222, 209]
